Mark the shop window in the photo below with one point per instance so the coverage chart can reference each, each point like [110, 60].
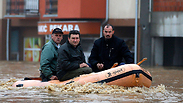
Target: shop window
[47, 38]
[32, 49]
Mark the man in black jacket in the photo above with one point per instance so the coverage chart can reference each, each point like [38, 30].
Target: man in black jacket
[71, 59]
[108, 50]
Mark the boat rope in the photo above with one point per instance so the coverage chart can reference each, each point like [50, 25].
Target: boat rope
[124, 75]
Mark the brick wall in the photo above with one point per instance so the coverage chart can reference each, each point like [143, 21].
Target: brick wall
[167, 5]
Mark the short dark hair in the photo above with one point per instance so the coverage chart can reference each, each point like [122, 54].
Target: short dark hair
[108, 25]
[75, 32]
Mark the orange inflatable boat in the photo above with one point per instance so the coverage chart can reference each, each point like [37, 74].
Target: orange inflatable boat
[128, 75]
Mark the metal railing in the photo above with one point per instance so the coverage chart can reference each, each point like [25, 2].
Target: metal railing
[22, 7]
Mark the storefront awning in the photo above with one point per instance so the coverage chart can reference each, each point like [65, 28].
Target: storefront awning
[85, 27]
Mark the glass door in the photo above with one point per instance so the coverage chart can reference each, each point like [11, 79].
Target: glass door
[32, 49]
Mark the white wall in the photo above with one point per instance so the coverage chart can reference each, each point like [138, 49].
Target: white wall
[158, 51]
[2, 8]
[167, 24]
[122, 9]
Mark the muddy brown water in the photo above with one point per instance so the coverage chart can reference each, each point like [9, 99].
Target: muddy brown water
[167, 86]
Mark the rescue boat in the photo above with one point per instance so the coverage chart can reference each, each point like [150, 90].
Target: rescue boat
[128, 75]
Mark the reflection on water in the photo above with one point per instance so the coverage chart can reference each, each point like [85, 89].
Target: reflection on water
[167, 86]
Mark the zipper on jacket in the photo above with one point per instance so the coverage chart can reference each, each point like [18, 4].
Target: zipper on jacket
[110, 51]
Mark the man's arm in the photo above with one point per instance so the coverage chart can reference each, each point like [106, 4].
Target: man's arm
[94, 56]
[45, 61]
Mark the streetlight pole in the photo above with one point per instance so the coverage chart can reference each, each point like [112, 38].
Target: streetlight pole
[136, 27]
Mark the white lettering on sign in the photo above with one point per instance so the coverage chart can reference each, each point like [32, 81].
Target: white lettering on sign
[42, 28]
[70, 27]
[65, 27]
[54, 26]
[76, 27]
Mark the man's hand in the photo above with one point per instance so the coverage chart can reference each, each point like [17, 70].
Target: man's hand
[100, 66]
[83, 65]
[54, 78]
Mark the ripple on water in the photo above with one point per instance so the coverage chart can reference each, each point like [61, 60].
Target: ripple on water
[89, 92]
[165, 88]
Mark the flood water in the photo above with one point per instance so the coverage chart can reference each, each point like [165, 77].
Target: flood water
[167, 86]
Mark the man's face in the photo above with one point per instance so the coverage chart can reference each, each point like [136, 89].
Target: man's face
[57, 37]
[108, 32]
[74, 39]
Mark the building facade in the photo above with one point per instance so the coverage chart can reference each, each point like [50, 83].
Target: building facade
[161, 34]
[26, 26]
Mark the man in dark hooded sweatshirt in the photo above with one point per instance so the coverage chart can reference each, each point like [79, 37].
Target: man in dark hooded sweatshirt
[108, 50]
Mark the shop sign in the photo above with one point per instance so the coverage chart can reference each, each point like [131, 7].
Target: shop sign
[45, 28]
